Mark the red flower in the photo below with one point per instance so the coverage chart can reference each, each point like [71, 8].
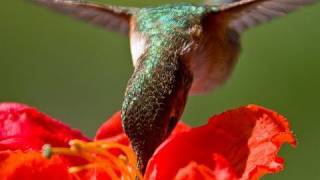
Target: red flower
[238, 144]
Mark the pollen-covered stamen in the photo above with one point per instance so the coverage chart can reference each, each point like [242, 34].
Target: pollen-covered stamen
[99, 157]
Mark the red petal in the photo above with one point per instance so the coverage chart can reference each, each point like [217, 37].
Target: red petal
[32, 165]
[249, 138]
[23, 127]
[112, 127]
[221, 171]
[194, 171]
[112, 130]
[181, 127]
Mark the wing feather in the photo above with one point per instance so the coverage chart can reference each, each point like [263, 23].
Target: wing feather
[109, 17]
[243, 14]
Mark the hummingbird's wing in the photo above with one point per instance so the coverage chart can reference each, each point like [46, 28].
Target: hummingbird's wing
[243, 14]
[218, 2]
[109, 17]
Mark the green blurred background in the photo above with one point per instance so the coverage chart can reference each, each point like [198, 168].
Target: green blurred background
[77, 73]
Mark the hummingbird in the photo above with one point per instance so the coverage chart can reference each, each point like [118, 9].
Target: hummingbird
[177, 50]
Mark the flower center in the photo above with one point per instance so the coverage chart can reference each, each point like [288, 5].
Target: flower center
[99, 156]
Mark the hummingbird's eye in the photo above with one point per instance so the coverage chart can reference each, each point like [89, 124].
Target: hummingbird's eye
[172, 124]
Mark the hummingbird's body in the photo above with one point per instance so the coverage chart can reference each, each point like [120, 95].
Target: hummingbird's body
[158, 89]
[209, 52]
[176, 50]
[166, 41]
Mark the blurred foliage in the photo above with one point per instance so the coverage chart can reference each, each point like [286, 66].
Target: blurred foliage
[77, 73]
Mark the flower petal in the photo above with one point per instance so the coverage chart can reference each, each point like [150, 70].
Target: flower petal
[249, 138]
[221, 171]
[194, 171]
[112, 127]
[23, 127]
[32, 165]
[112, 130]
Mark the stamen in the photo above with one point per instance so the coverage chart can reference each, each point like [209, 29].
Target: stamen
[98, 155]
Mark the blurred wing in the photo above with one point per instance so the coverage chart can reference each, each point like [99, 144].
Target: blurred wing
[109, 17]
[243, 14]
[218, 2]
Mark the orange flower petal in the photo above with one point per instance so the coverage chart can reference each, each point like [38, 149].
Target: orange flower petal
[32, 165]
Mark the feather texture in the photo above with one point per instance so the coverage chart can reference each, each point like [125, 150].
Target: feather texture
[109, 17]
[243, 14]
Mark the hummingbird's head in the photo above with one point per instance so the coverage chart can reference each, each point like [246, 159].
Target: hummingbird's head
[152, 106]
